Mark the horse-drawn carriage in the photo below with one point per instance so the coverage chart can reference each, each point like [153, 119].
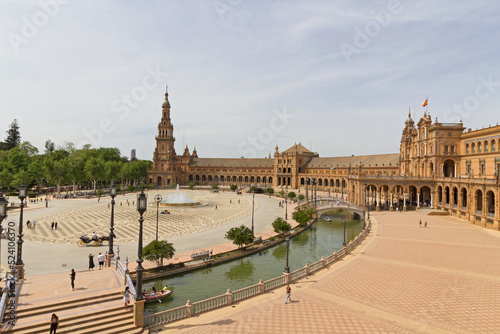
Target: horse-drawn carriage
[95, 240]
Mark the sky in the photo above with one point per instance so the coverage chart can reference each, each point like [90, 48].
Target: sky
[244, 76]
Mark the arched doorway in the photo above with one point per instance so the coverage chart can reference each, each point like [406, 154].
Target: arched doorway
[449, 168]
[463, 198]
[479, 201]
[490, 203]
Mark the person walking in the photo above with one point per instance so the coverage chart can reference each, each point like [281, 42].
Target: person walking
[425, 223]
[100, 258]
[54, 323]
[288, 294]
[72, 274]
[420, 223]
[55, 225]
[91, 262]
[126, 297]
[52, 225]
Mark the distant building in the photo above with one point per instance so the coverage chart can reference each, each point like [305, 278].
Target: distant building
[440, 165]
[132, 155]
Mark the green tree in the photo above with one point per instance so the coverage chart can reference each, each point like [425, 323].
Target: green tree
[253, 189]
[158, 250]
[49, 146]
[291, 195]
[302, 216]
[281, 226]
[270, 191]
[94, 170]
[13, 138]
[282, 193]
[215, 187]
[301, 197]
[240, 235]
[191, 185]
[233, 187]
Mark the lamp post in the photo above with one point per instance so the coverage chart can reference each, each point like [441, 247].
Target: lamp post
[112, 193]
[142, 202]
[286, 202]
[253, 205]
[342, 190]
[307, 191]
[287, 268]
[19, 261]
[3, 215]
[158, 199]
[344, 244]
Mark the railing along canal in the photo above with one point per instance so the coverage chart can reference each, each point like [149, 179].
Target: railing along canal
[229, 297]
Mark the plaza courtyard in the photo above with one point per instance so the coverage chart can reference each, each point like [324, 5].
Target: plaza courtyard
[46, 250]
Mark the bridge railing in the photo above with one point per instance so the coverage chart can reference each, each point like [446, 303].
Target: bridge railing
[229, 297]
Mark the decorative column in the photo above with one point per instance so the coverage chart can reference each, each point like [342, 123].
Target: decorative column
[391, 207]
[432, 200]
[378, 199]
[418, 199]
[404, 201]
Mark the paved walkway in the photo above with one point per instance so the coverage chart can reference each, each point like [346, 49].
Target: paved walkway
[403, 279]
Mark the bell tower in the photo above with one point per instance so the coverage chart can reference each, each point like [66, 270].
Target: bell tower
[164, 155]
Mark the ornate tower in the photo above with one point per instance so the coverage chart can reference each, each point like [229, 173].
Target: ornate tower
[164, 155]
[406, 146]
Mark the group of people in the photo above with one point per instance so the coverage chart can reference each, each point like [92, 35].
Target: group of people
[127, 293]
[30, 225]
[420, 223]
[100, 258]
[53, 225]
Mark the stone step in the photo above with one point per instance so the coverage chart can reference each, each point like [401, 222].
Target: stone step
[115, 319]
[40, 308]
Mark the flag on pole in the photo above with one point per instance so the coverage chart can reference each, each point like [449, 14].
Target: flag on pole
[425, 103]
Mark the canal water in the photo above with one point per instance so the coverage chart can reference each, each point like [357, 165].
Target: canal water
[321, 239]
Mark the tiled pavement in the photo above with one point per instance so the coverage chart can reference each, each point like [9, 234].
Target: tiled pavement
[402, 279]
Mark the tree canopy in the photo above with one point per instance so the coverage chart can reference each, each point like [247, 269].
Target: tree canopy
[158, 250]
[13, 138]
[240, 236]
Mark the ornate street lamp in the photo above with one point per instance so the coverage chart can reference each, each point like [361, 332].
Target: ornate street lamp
[344, 244]
[253, 205]
[142, 203]
[3, 207]
[287, 268]
[158, 199]
[19, 261]
[112, 193]
[3, 215]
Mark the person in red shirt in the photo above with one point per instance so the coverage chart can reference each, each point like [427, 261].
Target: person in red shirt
[288, 294]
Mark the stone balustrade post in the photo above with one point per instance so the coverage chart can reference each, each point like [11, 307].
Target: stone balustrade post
[139, 313]
[335, 256]
[229, 297]
[261, 286]
[287, 278]
[189, 309]
[323, 262]
[308, 269]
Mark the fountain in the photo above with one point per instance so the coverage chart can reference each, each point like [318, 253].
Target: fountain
[179, 198]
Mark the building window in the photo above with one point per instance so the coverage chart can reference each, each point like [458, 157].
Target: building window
[479, 147]
[486, 146]
[449, 134]
[445, 149]
[452, 148]
[467, 149]
[473, 148]
[493, 144]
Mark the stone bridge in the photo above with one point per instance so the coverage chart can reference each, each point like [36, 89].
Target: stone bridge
[328, 204]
